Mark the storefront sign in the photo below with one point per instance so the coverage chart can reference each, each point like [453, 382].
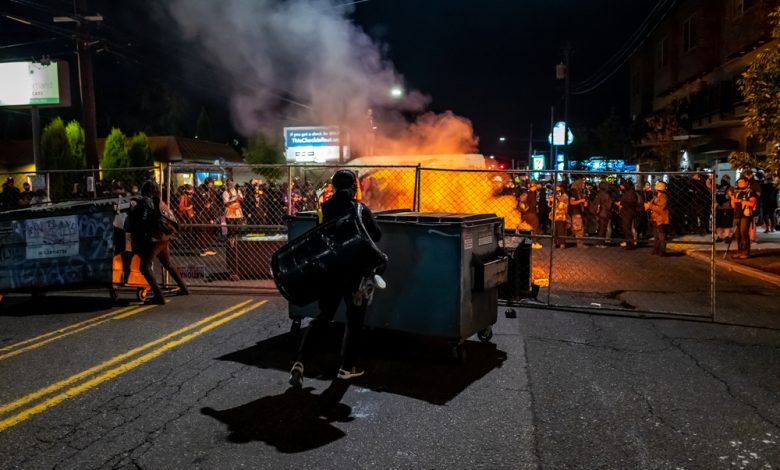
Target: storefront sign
[34, 84]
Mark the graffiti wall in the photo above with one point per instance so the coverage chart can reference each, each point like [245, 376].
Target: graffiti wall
[54, 251]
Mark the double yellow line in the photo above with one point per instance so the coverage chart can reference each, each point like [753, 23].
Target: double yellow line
[46, 338]
[106, 372]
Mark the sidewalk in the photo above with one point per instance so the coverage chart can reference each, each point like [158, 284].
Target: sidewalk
[764, 262]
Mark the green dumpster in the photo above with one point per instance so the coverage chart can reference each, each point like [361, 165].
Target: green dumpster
[442, 276]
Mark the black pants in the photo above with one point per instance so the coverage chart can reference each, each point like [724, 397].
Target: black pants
[743, 234]
[319, 326]
[231, 255]
[627, 224]
[148, 252]
[659, 239]
[603, 224]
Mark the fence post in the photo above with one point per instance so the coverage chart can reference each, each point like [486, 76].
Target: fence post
[416, 197]
[169, 177]
[94, 184]
[289, 190]
[713, 251]
[552, 232]
[48, 185]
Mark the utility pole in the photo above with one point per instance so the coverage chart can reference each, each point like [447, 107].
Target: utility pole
[530, 145]
[552, 138]
[87, 86]
[563, 73]
[86, 77]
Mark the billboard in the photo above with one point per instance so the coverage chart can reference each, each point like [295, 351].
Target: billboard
[34, 84]
[312, 144]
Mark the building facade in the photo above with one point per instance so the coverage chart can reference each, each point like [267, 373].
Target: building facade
[685, 102]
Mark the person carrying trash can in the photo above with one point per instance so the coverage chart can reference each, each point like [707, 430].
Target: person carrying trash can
[150, 224]
[356, 295]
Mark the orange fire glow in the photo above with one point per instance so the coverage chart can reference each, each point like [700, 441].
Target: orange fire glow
[442, 191]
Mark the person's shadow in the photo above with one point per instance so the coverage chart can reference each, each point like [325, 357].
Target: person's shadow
[295, 421]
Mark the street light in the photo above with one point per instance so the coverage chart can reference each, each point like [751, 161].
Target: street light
[396, 92]
[502, 139]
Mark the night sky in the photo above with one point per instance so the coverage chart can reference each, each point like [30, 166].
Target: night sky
[491, 61]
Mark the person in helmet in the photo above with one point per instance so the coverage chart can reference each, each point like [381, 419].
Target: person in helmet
[559, 207]
[659, 214]
[744, 203]
[342, 201]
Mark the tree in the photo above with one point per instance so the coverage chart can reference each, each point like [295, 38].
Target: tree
[139, 153]
[57, 155]
[760, 86]
[75, 134]
[55, 147]
[162, 109]
[261, 150]
[203, 128]
[115, 152]
[657, 131]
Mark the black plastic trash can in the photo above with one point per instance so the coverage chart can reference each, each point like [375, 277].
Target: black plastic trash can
[519, 283]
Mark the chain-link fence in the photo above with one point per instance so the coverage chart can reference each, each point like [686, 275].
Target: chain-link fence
[232, 217]
[585, 240]
[27, 189]
[596, 240]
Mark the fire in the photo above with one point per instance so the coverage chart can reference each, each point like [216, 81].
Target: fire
[473, 192]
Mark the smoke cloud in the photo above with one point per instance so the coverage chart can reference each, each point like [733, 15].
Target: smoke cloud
[303, 62]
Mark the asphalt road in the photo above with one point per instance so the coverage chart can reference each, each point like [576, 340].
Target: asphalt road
[202, 383]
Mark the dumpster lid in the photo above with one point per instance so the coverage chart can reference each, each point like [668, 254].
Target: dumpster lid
[437, 217]
[44, 210]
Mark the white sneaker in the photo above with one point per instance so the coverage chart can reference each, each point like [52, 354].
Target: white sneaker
[379, 282]
[350, 374]
[623, 244]
[296, 375]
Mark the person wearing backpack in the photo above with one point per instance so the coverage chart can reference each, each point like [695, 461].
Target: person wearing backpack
[355, 295]
[151, 224]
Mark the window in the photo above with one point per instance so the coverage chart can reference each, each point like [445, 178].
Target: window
[635, 84]
[689, 34]
[663, 53]
[741, 6]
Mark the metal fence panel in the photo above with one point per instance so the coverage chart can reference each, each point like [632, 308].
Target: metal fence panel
[594, 250]
[216, 250]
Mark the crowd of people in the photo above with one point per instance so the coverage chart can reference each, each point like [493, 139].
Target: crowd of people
[615, 209]
[12, 197]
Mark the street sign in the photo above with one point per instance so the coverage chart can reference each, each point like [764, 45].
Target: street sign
[556, 136]
[537, 162]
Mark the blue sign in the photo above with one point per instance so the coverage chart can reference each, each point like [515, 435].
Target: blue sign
[311, 136]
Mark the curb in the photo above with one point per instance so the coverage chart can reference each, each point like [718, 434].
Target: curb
[736, 267]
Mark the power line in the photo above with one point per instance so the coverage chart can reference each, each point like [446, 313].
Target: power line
[617, 56]
[581, 91]
[28, 43]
